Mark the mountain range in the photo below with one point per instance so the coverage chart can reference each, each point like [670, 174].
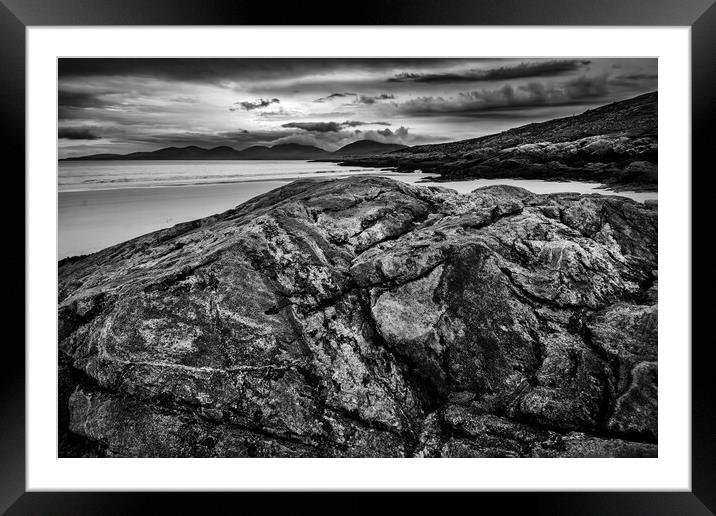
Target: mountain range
[257, 152]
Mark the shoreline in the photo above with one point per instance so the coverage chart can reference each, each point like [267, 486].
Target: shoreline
[598, 184]
[433, 168]
[91, 220]
[324, 175]
[426, 177]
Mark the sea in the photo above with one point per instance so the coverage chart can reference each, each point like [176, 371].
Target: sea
[103, 203]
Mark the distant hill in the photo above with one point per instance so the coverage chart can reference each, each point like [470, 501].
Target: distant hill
[256, 152]
[286, 151]
[279, 152]
[367, 147]
[615, 143]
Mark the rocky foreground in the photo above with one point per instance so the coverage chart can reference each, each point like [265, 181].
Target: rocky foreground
[365, 317]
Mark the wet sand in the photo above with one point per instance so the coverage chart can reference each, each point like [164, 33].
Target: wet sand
[92, 220]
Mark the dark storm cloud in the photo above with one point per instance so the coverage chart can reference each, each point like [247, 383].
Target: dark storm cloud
[71, 103]
[88, 101]
[278, 114]
[579, 91]
[80, 99]
[218, 69]
[333, 96]
[355, 123]
[372, 99]
[400, 132]
[639, 77]
[77, 133]
[315, 127]
[358, 98]
[586, 87]
[328, 127]
[239, 138]
[249, 105]
[337, 139]
[522, 70]
[635, 80]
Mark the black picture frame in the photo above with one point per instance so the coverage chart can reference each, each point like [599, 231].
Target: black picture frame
[700, 15]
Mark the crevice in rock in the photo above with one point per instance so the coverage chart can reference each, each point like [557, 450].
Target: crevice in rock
[531, 299]
[162, 405]
[357, 202]
[70, 320]
[408, 397]
[414, 224]
[429, 396]
[69, 443]
[611, 394]
[173, 279]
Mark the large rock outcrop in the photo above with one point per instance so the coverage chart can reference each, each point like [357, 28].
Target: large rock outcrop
[366, 317]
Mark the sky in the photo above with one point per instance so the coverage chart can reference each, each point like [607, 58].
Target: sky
[126, 105]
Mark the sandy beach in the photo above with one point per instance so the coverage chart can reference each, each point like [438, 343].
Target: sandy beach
[94, 219]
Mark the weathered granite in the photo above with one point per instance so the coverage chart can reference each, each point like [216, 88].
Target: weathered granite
[366, 317]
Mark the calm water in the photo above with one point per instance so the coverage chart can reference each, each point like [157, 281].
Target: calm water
[76, 176]
[102, 203]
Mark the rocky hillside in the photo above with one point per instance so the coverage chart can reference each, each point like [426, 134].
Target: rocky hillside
[367, 148]
[365, 317]
[616, 144]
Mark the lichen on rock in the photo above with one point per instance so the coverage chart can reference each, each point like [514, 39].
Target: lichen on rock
[365, 317]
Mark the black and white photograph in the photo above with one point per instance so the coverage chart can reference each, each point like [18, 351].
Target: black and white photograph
[357, 257]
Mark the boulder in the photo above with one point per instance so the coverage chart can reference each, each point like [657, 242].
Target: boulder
[365, 317]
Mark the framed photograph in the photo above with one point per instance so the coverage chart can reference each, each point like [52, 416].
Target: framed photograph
[439, 249]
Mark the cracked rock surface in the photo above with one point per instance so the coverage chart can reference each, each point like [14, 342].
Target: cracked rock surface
[364, 317]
